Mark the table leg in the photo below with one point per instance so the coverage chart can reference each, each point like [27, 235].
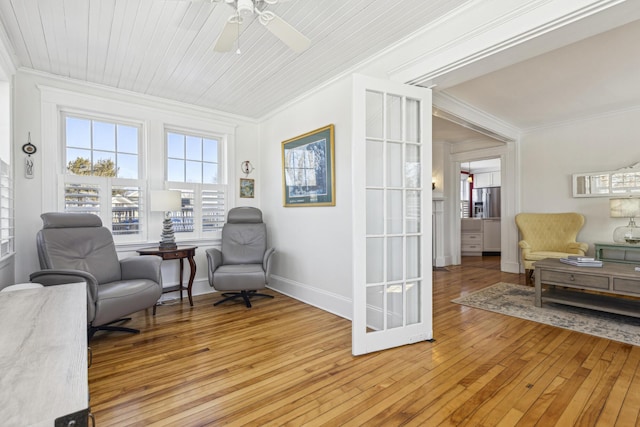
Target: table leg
[192, 264]
[538, 297]
[181, 271]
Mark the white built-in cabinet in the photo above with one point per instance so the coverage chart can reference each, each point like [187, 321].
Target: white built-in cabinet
[471, 234]
[479, 235]
[491, 235]
[486, 179]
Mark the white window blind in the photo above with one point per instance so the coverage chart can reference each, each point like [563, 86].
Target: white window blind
[7, 231]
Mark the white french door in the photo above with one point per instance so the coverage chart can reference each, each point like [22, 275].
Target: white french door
[391, 177]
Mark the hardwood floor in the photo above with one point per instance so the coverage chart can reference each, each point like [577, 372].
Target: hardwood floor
[287, 363]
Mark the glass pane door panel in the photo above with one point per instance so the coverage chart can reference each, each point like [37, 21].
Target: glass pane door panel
[375, 308]
[375, 110]
[395, 172]
[413, 166]
[394, 211]
[413, 303]
[413, 211]
[375, 212]
[413, 120]
[375, 260]
[375, 159]
[395, 263]
[395, 312]
[413, 257]
[394, 117]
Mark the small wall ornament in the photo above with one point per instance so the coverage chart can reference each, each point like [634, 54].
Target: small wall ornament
[28, 149]
[247, 168]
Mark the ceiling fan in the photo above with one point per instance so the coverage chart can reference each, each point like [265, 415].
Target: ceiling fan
[244, 9]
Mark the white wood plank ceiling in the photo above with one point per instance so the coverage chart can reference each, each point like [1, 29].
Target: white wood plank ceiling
[165, 47]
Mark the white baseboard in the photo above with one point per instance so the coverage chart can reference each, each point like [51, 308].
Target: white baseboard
[323, 300]
[511, 267]
[327, 301]
[200, 287]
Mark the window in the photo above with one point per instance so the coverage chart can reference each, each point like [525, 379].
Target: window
[192, 158]
[6, 210]
[194, 167]
[102, 172]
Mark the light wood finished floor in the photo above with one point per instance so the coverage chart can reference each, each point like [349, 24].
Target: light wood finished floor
[287, 363]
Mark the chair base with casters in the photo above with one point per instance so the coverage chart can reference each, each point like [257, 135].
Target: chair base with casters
[108, 327]
[245, 295]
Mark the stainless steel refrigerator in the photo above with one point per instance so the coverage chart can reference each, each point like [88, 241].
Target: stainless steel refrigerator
[486, 202]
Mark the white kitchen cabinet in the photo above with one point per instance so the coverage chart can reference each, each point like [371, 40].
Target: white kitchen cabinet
[491, 235]
[471, 236]
[486, 179]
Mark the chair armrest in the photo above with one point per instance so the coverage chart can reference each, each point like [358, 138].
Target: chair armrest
[524, 245]
[214, 260]
[526, 248]
[577, 247]
[266, 263]
[142, 267]
[60, 277]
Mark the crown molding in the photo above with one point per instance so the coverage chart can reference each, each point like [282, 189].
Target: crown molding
[453, 109]
[494, 34]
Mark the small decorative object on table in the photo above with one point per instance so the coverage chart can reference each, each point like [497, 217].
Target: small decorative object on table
[168, 238]
[166, 201]
[581, 261]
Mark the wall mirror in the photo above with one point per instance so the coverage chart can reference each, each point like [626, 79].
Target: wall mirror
[604, 184]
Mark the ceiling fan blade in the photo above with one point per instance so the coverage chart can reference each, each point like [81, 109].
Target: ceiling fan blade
[228, 35]
[293, 38]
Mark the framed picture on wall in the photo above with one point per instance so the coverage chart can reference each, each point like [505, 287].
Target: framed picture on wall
[247, 188]
[308, 169]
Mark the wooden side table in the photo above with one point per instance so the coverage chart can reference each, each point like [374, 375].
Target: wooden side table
[180, 253]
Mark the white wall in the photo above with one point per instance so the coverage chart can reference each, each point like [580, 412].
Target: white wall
[32, 195]
[313, 258]
[550, 156]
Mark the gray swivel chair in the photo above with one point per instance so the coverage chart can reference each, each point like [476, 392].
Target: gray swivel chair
[76, 247]
[243, 264]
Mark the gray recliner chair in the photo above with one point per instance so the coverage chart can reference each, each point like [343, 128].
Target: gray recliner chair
[76, 247]
[243, 264]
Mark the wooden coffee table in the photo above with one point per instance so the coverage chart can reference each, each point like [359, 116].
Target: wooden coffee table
[613, 288]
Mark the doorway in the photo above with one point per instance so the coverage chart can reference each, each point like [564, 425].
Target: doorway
[480, 210]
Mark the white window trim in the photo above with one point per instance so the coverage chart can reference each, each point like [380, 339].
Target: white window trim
[222, 152]
[156, 115]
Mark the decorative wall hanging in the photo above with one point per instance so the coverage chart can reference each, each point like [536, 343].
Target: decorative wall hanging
[247, 188]
[622, 182]
[308, 169]
[246, 167]
[29, 149]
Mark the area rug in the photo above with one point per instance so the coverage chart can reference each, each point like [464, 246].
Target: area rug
[518, 301]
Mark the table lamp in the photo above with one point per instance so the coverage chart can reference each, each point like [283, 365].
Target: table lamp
[166, 201]
[626, 208]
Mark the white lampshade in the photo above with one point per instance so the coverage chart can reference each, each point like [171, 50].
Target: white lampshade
[166, 200]
[625, 208]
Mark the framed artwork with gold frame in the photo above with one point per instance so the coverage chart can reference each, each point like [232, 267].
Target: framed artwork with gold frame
[308, 169]
[247, 188]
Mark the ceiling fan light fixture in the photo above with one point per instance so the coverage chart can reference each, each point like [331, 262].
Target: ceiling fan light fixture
[245, 7]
